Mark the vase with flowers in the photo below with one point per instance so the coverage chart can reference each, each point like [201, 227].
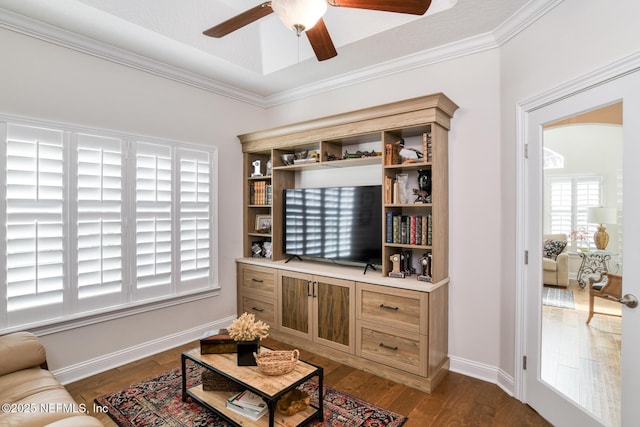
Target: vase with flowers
[578, 239]
[247, 332]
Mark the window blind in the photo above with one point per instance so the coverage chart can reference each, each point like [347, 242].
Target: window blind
[195, 216]
[99, 219]
[153, 216]
[34, 222]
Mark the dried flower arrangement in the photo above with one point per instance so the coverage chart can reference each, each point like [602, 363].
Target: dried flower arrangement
[247, 328]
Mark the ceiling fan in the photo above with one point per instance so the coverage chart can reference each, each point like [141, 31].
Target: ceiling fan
[306, 16]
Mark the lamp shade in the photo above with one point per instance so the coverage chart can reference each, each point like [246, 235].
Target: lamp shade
[299, 15]
[600, 215]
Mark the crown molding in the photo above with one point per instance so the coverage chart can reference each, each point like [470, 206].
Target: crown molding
[490, 40]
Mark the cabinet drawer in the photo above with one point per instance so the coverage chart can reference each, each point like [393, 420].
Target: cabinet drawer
[404, 351]
[263, 310]
[398, 308]
[261, 280]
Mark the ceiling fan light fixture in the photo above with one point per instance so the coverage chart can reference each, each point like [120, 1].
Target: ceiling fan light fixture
[299, 15]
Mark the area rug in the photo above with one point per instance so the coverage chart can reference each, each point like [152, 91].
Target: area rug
[557, 297]
[158, 402]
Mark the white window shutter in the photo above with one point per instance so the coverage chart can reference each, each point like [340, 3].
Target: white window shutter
[34, 223]
[99, 221]
[153, 219]
[195, 218]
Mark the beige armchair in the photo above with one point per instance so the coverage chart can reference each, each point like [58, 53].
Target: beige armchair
[556, 272]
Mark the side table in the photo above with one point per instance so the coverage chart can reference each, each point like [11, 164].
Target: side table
[593, 263]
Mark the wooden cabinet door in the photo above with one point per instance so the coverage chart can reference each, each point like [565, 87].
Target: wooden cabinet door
[334, 309]
[295, 295]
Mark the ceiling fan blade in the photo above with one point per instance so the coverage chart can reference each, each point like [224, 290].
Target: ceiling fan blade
[414, 7]
[239, 21]
[321, 41]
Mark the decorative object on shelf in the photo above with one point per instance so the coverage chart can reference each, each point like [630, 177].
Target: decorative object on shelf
[288, 158]
[424, 185]
[601, 215]
[425, 267]
[360, 154]
[267, 249]
[278, 362]
[396, 260]
[402, 194]
[302, 154]
[263, 224]
[330, 157]
[256, 168]
[269, 164]
[408, 155]
[248, 332]
[407, 268]
[293, 402]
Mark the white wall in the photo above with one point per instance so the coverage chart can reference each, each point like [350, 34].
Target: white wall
[576, 37]
[43, 81]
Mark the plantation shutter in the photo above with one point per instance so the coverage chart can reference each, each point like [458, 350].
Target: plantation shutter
[99, 221]
[561, 206]
[569, 199]
[153, 220]
[34, 224]
[195, 219]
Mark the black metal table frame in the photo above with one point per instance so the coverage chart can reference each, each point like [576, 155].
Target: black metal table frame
[270, 400]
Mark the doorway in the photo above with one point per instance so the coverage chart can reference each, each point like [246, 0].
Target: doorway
[619, 82]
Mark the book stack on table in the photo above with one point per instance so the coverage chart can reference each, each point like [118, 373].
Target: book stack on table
[247, 404]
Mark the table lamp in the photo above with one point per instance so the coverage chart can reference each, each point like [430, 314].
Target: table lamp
[601, 215]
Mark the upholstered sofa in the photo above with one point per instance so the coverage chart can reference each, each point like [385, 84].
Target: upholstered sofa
[29, 394]
[555, 271]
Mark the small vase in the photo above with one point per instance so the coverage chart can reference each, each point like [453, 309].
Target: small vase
[245, 352]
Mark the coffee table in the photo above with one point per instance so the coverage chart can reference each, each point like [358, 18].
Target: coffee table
[270, 388]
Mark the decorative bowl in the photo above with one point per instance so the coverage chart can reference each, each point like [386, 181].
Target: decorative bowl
[288, 159]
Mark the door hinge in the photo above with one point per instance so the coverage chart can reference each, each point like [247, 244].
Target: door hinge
[526, 151]
[526, 257]
[524, 363]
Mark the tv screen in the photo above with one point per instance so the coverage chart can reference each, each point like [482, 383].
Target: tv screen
[337, 223]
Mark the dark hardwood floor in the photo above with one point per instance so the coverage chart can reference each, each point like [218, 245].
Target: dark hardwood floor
[457, 401]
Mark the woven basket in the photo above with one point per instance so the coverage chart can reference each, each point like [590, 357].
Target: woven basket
[277, 362]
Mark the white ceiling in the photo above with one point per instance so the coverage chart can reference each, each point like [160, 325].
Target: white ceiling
[265, 63]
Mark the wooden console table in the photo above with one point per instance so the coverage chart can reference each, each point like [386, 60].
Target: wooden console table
[270, 388]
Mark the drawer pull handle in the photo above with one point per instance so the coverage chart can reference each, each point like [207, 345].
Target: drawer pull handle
[257, 280]
[388, 347]
[257, 309]
[388, 307]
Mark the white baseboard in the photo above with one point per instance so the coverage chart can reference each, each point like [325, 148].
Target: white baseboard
[103, 363]
[482, 372]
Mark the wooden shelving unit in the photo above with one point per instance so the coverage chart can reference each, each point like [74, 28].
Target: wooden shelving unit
[311, 302]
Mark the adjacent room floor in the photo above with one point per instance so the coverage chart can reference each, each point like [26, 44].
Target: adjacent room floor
[583, 361]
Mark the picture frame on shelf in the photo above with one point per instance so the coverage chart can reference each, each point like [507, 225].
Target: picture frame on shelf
[263, 224]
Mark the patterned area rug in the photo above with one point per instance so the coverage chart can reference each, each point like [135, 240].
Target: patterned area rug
[557, 297]
[158, 402]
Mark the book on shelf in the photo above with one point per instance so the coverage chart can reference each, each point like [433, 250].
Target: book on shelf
[260, 193]
[247, 404]
[408, 229]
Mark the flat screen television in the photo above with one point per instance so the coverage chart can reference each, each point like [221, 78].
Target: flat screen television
[334, 223]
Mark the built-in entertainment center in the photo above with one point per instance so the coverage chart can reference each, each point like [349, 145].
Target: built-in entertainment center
[327, 197]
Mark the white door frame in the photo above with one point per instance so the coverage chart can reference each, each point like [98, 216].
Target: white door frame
[524, 109]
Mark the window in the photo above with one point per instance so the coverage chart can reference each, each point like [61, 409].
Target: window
[96, 222]
[568, 200]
